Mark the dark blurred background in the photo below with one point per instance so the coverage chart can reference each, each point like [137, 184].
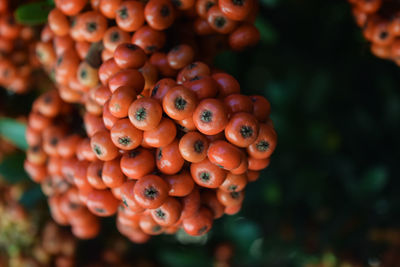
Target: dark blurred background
[330, 195]
[332, 183]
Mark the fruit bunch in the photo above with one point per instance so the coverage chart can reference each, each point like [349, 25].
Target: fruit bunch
[380, 22]
[54, 129]
[17, 45]
[161, 139]
[176, 156]
[55, 246]
[80, 36]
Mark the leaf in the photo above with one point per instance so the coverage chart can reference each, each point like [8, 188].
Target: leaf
[13, 131]
[32, 196]
[244, 232]
[34, 13]
[11, 168]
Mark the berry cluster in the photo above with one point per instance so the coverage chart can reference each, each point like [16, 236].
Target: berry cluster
[380, 21]
[160, 138]
[56, 247]
[17, 44]
[55, 140]
[80, 36]
[177, 156]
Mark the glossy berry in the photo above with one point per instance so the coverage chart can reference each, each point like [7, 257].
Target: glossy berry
[210, 116]
[125, 136]
[193, 146]
[180, 184]
[236, 9]
[179, 103]
[151, 191]
[129, 56]
[206, 174]
[103, 146]
[102, 203]
[145, 113]
[130, 15]
[224, 154]
[159, 14]
[242, 129]
[137, 163]
[200, 223]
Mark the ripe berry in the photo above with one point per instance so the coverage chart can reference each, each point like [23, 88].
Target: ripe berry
[179, 56]
[179, 103]
[149, 39]
[242, 129]
[210, 116]
[103, 146]
[120, 101]
[219, 21]
[180, 184]
[236, 9]
[113, 37]
[193, 147]
[168, 159]
[224, 154]
[58, 22]
[129, 56]
[206, 174]
[162, 135]
[137, 163]
[265, 143]
[130, 16]
[200, 223]
[102, 203]
[145, 113]
[159, 14]
[125, 136]
[168, 213]
[151, 191]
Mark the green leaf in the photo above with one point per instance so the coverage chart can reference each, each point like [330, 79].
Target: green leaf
[11, 168]
[244, 232]
[13, 131]
[32, 196]
[34, 13]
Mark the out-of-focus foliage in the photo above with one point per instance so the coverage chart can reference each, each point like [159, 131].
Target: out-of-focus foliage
[331, 194]
[14, 131]
[34, 13]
